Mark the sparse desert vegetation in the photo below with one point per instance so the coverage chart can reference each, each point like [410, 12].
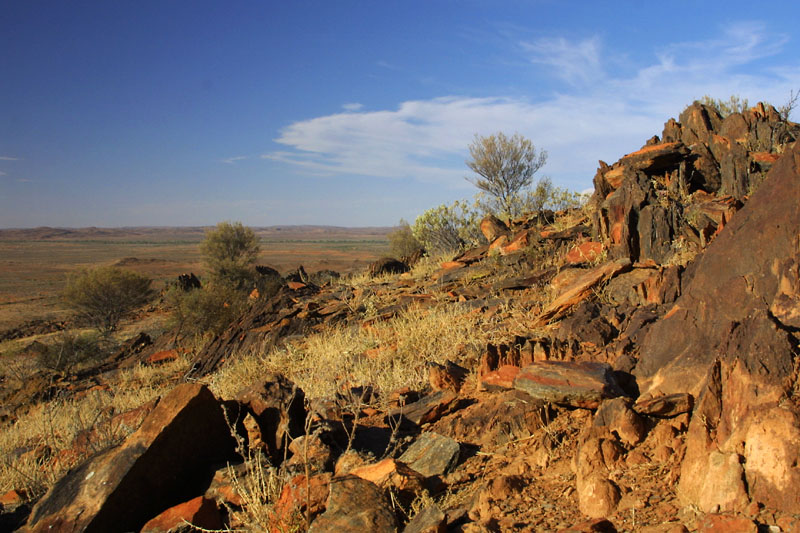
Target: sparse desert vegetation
[533, 371]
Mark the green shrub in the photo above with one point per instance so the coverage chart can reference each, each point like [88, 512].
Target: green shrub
[71, 350]
[402, 242]
[103, 296]
[230, 251]
[449, 228]
[208, 310]
[734, 104]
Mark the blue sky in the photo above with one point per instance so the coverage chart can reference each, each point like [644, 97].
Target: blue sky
[348, 113]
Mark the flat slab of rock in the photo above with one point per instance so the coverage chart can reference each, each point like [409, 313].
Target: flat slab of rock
[432, 454]
[577, 384]
[355, 506]
[665, 406]
[500, 379]
[580, 288]
[428, 409]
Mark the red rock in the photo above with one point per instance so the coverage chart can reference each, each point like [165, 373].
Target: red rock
[665, 406]
[395, 476]
[519, 242]
[598, 496]
[310, 449]
[355, 506]
[298, 497]
[448, 376]
[296, 285]
[165, 356]
[450, 265]
[426, 410]
[720, 523]
[498, 244]
[579, 384]
[586, 252]
[580, 288]
[13, 497]
[201, 512]
[500, 379]
[492, 227]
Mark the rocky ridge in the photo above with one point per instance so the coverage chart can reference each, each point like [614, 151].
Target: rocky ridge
[651, 387]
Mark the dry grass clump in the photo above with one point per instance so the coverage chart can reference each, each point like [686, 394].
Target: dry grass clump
[36, 449]
[385, 355]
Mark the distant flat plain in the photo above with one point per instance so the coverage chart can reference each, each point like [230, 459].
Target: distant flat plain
[34, 263]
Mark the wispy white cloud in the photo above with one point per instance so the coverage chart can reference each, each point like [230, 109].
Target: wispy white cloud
[578, 63]
[599, 113]
[232, 160]
[352, 107]
[8, 158]
[24, 180]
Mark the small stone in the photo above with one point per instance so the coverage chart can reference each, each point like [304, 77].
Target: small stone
[299, 497]
[201, 512]
[355, 506]
[665, 406]
[431, 519]
[432, 454]
[597, 496]
[720, 523]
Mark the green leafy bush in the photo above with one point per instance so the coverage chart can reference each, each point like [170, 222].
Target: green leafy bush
[449, 228]
[230, 251]
[70, 350]
[103, 296]
[208, 310]
[402, 242]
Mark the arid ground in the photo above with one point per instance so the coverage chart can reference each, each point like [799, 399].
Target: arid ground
[34, 263]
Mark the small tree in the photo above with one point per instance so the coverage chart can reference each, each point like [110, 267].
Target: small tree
[230, 251]
[506, 166]
[402, 242]
[105, 295]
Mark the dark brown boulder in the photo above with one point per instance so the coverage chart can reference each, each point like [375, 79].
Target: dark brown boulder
[167, 461]
[355, 506]
[724, 311]
[387, 265]
[492, 228]
[278, 407]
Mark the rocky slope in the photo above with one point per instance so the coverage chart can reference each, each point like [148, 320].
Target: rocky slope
[649, 383]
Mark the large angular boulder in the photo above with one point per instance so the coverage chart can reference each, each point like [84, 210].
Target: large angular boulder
[167, 461]
[724, 311]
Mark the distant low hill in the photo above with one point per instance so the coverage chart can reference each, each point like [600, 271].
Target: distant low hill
[191, 233]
